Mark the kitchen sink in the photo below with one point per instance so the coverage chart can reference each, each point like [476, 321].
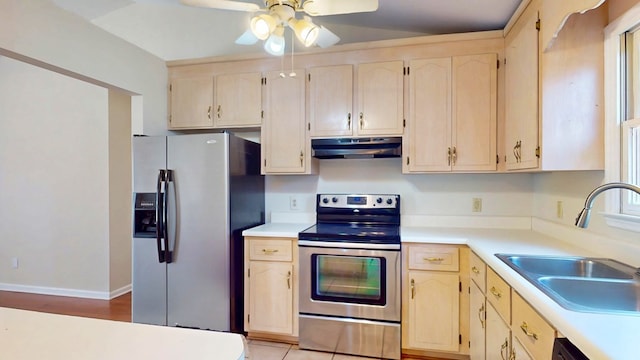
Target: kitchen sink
[570, 266]
[593, 295]
[581, 283]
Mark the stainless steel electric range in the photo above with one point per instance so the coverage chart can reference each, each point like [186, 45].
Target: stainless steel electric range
[350, 276]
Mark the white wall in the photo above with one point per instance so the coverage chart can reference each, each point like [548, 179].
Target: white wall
[54, 181]
[41, 33]
[432, 194]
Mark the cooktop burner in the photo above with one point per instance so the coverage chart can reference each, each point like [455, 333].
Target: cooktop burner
[355, 218]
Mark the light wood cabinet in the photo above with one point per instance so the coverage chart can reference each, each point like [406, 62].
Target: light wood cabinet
[330, 102]
[432, 319]
[478, 272]
[285, 147]
[380, 99]
[191, 101]
[512, 328]
[554, 94]
[238, 100]
[453, 114]
[271, 290]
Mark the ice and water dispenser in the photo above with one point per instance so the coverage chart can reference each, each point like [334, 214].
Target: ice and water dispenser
[144, 215]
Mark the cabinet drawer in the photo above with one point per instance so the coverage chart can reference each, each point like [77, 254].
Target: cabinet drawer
[433, 257]
[270, 249]
[499, 294]
[478, 272]
[535, 334]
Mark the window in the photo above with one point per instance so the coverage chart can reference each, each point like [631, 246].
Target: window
[622, 117]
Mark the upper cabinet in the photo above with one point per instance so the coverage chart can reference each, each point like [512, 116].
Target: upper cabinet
[452, 114]
[380, 98]
[285, 147]
[330, 103]
[238, 100]
[191, 102]
[554, 95]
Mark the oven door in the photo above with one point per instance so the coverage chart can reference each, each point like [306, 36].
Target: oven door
[350, 282]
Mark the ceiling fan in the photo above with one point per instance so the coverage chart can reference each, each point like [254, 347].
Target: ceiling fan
[278, 14]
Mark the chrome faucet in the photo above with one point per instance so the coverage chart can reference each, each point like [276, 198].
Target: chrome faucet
[583, 218]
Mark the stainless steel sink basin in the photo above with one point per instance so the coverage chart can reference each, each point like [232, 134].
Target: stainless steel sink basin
[569, 266]
[581, 283]
[594, 295]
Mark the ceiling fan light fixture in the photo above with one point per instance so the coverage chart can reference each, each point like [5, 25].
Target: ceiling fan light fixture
[263, 25]
[275, 43]
[306, 31]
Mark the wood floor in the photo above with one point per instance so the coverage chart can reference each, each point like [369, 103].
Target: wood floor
[117, 309]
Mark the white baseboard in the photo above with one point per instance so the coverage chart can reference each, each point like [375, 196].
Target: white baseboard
[43, 290]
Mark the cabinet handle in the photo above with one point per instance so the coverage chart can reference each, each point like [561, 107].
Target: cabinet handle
[475, 270]
[269, 251]
[454, 155]
[361, 121]
[495, 292]
[448, 156]
[525, 330]
[413, 288]
[433, 259]
[289, 280]
[349, 121]
[504, 349]
[209, 112]
[512, 356]
[301, 158]
[219, 111]
[481, 315]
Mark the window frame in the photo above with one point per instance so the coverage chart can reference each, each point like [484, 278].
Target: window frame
[614, 117]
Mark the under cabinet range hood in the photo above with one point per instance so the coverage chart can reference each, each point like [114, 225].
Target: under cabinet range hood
[357, 148]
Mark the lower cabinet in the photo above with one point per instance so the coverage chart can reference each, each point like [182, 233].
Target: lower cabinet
[512, 329]
[432, 320]
[271, 287]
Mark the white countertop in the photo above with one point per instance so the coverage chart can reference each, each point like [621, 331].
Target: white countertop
[599, 336]
[33, 335]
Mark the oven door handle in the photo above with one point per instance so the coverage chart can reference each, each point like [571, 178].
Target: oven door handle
[348, 245]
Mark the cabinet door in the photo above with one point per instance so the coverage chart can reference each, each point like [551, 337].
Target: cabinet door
[433, 316]
[522, 93]
[238, 100]
[518, 351]
[271, 297]
[474, 112]
[191, 103]
[283, 135]
[477, 323]
[429, 129]
[380, 98]
[330, 100]
[498, 344]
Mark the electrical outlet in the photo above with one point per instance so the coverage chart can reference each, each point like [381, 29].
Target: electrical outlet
[14, 262]
[559, 210]
[476, 205]
[293, 202]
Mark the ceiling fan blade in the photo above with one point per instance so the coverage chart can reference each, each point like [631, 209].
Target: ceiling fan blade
[223, 4]
[336, 7]
[326, 38]
[247, 38]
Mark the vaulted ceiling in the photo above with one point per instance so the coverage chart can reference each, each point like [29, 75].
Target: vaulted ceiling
[174, 31]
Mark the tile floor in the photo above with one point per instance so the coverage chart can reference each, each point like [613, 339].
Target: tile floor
[265, 350]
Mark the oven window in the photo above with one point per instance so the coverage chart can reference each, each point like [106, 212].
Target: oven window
[351, 279]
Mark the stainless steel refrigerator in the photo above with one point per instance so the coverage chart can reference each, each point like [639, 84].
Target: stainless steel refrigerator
[193, 196]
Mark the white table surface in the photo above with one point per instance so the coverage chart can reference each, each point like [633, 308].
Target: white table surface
[599, 336]
[27, 335]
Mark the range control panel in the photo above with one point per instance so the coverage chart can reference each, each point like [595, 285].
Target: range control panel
[358, 201]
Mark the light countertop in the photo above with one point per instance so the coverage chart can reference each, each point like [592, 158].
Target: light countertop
[34, 335]
[599, 336]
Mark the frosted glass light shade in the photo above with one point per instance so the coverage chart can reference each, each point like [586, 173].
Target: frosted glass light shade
[275, 44]
[263, 25]
[305, 30]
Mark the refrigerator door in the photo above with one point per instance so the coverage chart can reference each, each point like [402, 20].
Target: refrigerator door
[148, 300]
[198, 277]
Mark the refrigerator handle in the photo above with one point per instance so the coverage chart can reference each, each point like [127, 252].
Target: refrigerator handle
[168, 253]
[160, 215]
